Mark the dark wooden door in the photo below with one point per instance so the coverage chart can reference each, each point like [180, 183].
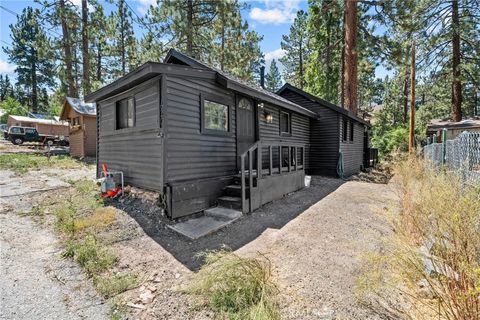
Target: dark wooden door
[245, 124]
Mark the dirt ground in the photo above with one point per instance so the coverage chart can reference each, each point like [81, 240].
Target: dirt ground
[315, 239]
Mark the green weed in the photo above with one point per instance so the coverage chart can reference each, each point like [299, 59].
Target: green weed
[90, 255]
[240, 288]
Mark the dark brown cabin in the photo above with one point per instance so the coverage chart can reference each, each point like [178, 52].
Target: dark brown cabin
[336, 132]
[201, 137]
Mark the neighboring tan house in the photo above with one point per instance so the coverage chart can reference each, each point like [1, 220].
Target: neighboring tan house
[82, 118]
[435, 127]
[43, 126]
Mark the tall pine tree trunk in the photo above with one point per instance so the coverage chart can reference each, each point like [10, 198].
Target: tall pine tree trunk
[411, 134]
[99, 62]
[350, 60]
[34, 82]
[72, 91]
[300, 64]
[456, 84]
[222, 54]
[85, 55]
[122, 37]
[190, 27]
[405, 99]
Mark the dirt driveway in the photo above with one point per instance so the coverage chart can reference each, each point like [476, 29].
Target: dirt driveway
[314, 239]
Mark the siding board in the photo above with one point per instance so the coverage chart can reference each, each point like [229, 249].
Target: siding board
[136, 151]
[324, 144]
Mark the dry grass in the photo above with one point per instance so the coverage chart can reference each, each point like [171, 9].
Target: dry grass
[236, 287]
[100, 218]
[434, 256]
[109, 286]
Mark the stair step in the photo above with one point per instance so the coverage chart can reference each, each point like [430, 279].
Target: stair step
[223, 213]
[230, 202]
[234, 190]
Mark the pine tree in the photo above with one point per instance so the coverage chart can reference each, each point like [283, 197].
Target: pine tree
[296, 47]
[125, 42]
[6, 88]
[273, 79]
[187, 23]
[324, 63]
[235, 48]
[32, 54]
[85, 49]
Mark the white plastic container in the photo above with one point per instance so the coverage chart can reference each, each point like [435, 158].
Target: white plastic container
[308, 179]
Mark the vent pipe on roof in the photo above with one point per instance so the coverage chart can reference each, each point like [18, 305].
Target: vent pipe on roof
[262, 76]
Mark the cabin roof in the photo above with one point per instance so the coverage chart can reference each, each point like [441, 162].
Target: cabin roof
[234, 83]
[437, 124]
[143, 73]
[85, 108]
[322, 102]
[35, 120]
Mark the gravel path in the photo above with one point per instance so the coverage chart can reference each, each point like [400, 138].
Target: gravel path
[36, 283]
[318, 255]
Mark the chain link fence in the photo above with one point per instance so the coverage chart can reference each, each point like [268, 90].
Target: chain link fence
[460, 155]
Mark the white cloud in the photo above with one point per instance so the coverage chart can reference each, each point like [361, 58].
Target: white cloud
[145, 5]
[275, 12]
[275, 54]
[5, 67]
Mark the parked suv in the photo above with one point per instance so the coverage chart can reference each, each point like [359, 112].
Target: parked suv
[19, 135]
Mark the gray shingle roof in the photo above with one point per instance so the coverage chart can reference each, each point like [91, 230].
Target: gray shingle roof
[82, 107]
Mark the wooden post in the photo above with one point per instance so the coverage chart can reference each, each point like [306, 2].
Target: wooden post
[289, 159]
[411, 136]
[295, 158]
[242, 176]
[259, 161]
[270, 160]
[280, 156]
[250, 179]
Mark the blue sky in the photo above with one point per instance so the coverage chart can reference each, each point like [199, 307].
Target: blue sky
[270, 18]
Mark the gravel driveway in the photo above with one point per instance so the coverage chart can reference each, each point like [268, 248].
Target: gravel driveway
[36, 283]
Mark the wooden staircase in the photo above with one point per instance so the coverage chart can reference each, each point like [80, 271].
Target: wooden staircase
[232, 194]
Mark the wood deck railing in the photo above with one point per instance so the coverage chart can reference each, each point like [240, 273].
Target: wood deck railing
[290, 158]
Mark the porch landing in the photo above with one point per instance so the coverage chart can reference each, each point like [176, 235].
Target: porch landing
[212, 220]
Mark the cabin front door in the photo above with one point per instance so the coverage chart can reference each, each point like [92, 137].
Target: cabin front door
[245, 124]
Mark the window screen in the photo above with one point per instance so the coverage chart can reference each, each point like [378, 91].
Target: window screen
[351, 130]
[215, 116]
[285, 124]
[125, 113]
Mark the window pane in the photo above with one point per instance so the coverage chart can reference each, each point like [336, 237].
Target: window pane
[284, 122]
[216, 116]
[351, 131]
[125, 113]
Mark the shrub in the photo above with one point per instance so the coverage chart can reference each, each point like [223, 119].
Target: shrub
[90, 255]
[239, 287]
[436, 244]
[110, 286]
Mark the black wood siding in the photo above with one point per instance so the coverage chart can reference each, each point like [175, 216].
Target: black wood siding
[352, 150]
[191, 154]
[324, 143]
[136, 151]
[270, 132]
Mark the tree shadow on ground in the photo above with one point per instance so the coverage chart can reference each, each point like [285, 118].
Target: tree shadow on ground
[275, 214]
